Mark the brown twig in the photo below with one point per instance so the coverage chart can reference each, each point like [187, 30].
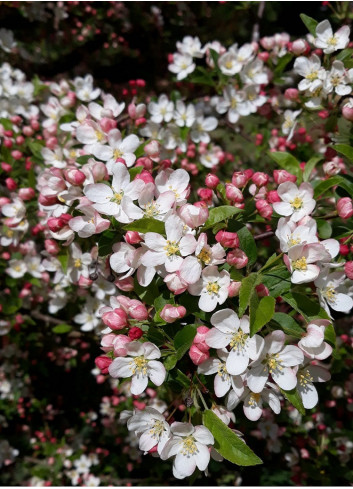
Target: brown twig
[268, 234]
[45, 318]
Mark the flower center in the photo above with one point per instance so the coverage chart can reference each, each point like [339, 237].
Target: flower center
[157, 428]
[335, 80]
[305, 378]
[233, 103]
[175, 192]
[288, 123]
[312, 76]
[99, 135]
[189, 446]
[117, 197]
[293, 241]
[151, 209]
[117, 154]
[212, 288]
[330, 293]
[273, 362]
[222, 370]
[332, 41]
[171, 248]
[254, 399]
[229, 65]
[238, 340]
[300, 264]
[139, 365]
[296, 203]
[204, 256]
[77, 263]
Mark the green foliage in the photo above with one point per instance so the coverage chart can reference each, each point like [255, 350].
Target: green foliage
[62, 328]
[219, 214]
[288, 162]
[183, 340]
[288, 324]
[310, 165]
[146, 225]
[247, 289]
[295, 399]
[310, 23]
[262, 315]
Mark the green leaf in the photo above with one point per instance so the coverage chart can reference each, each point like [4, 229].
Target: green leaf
[295, 399]
[306, 307]
[247, 288]
[106, 242]
[277, 280]
[345, 150]
[6, 123]
[330, 335]
[36, 148]
[62, 328]
[221, 213]
[227, 443]
[136, 170]
[146, 294]
[155, 336]
[170, 362]
[246, 240]
[264, 314]
[183, 340]
[222, 190]
[325, 185]
[310, 165]
[63, 259]
[282, 63]
[82, 160]
[345, 54]
[10, 305]
[324, 229]
[310, 23]
[288, 162]
[180, 379]
[146, 225]
[288, 324]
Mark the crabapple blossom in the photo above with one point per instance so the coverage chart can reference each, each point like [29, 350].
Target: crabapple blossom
[212, 288]
[141, 364]
[253, 402]
[332, 292]
[329, 42]
[312, 343]
[306, 375]
[151, 428]
[296, 202]
[302, 260]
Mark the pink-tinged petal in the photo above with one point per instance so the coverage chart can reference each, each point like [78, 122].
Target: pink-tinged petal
[222, 385]
[146, 442]
[255, 346]
[257, 378]
[171, 448]
[287, 191]
[283, 208]
[179, 179]
[315, 252]
[196, 288]
[309, 275]
[190, 270]
[153, 259]
[314, 336]
[121, 177]
[226, 321]
[138, 384]
[285, 378]
[187, 245]
[156, 372]
[174, 228]
[245, 324]
[306, 190]
[275, 341]
[202, 456]
[309, 396]
[102, 152]
[207, 302]
[203, 435]
[237, 362]
[251, 408]
[342, 303]
[98, 192]
[120, 367]
[130, 209]
[291, 356]
[155, 242]
[134, 189]
[173, 263]
[322, 352]
[217, 339]
[237, 385]
[332, 246]
[129, 144]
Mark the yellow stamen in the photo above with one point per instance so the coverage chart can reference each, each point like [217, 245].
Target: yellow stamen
[300, 264]
[189, 446]
[171, 248]
[212, 288]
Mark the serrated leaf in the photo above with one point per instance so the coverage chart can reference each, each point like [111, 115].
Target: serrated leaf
[294, 398]
[228, 444]
[183, 340]
[306, 307]
[247, 288]
[326, 185]
[345, 150]
[277, 281]
[219, 214]
[62, 328]
[146, 225]
[288, 162]
[310, 23]
[288, 324]
[310, 165]
[263, 314]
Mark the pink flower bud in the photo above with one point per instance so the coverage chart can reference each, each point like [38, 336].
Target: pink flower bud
[172, 313]
[27, 131]
[103, 363]
[26, 193]
[147, 163]
[193, 216]
[135, 333]
[6, 167]
[125, 284]
[291, 94]
[200, 338]
[233, 289]
[136, 309]
[16, 155]
[348, 269]
[4, 200]
[197, 356]
[272, 196]
[11, 184]
[211, 181]
[281, 176]
[99, 171]
[299, 46]
[107, 341]
[264, 56]
[205, 194]
[239, 179]
[132, 237]
[145, 176]
[175, 283]
[51, 246]
[345, 208]
[107, 124]
[119, 344]
[264, 208]
[74, 176]
[233, 193]
[347, 112]
[84, 282]
[152, 149]
[116, 319]
[262, 290]
[237, 258]
[260, 179]
[227, 239]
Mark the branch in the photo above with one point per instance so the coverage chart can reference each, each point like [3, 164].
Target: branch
[256, 28]
[268, 234]
[45, 318]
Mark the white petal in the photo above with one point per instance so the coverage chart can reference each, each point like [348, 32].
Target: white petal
[285, 378]
[237, 362]
[138, 384]
[156, 372]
